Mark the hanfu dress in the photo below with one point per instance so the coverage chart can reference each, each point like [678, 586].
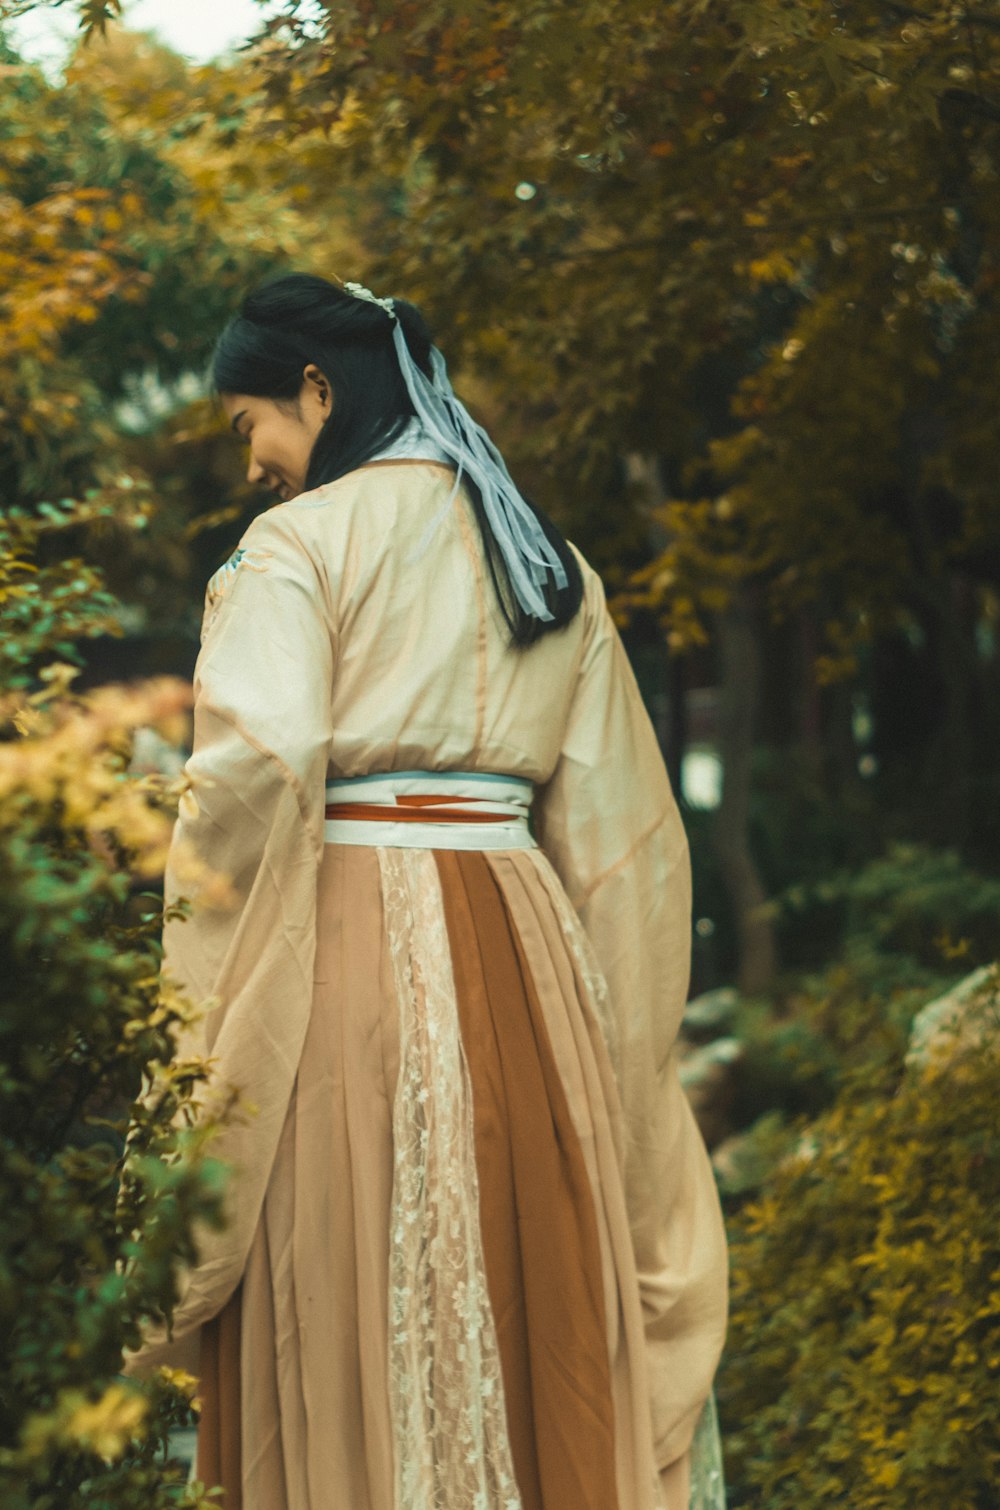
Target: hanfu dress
[475, 1258]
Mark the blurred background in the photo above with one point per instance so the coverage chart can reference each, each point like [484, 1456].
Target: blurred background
[723, 281]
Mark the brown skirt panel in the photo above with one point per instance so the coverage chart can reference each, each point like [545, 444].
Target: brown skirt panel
[540, 1238]
[218, 1460]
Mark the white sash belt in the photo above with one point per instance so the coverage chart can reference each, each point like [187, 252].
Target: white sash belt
[495, 810]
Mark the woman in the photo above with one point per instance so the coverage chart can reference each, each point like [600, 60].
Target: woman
[475, 1256]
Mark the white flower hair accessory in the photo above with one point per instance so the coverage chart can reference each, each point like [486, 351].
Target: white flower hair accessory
[531, 559]
[358, 291]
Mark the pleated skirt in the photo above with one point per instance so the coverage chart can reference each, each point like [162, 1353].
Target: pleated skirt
[440, 1309]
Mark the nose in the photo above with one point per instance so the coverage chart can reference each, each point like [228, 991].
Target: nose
[255, 472]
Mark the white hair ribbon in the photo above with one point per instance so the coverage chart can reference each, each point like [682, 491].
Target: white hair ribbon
[529, 555]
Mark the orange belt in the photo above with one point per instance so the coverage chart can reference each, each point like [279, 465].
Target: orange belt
[407, 809]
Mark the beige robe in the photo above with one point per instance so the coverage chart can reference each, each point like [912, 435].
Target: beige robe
[358, 634]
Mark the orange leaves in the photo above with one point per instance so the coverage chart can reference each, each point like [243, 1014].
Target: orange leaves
[59, 261]
[96, 14]
[129, 217]
[455, 64]
[777, 267]
[71, 758]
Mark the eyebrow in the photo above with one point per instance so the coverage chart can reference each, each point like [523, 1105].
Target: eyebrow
[236, 419]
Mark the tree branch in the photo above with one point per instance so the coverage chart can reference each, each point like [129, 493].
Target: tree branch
[651, 243]
[907, 12]
[976, 104]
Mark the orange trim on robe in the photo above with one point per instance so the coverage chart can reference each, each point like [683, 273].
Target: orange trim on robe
[382, 812]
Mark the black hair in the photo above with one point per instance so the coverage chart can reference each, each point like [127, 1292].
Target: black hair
[301, 319]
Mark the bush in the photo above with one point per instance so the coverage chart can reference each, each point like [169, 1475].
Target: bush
[91, 1241]
[863, 1361]
[913, 921]
[914, 916]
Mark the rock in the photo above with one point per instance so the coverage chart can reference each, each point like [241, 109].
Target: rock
[154, 755]
[709, 1015]
[183, 1445]
[959, 1019]
[737, 1164]
[745, 1160]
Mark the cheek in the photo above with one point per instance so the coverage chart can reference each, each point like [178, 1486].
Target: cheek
[284, 438]
[284, 447]
[270, 445]
[299, 444]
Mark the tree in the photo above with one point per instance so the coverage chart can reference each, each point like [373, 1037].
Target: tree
[135, 215]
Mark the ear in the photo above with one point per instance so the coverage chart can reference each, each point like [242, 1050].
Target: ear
[317, 379]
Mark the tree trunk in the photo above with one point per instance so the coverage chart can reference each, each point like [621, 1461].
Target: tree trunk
[810, 707]
[739, 665]
[952, 744]
[644, 475]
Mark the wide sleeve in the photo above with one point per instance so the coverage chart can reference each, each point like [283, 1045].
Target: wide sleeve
[246, 852]
[608, 821]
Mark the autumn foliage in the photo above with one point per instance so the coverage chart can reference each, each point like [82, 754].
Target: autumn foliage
[863, 1363]
[91, 1238]
[724, 280]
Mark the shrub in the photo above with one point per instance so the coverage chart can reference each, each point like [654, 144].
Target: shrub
[913, 917]
[863, 1361]
[90, 1242]
[914, 921]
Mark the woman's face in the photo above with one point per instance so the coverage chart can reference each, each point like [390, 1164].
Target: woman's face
[281, 434]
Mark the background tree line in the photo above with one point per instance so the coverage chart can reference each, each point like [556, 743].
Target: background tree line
[724, 278]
